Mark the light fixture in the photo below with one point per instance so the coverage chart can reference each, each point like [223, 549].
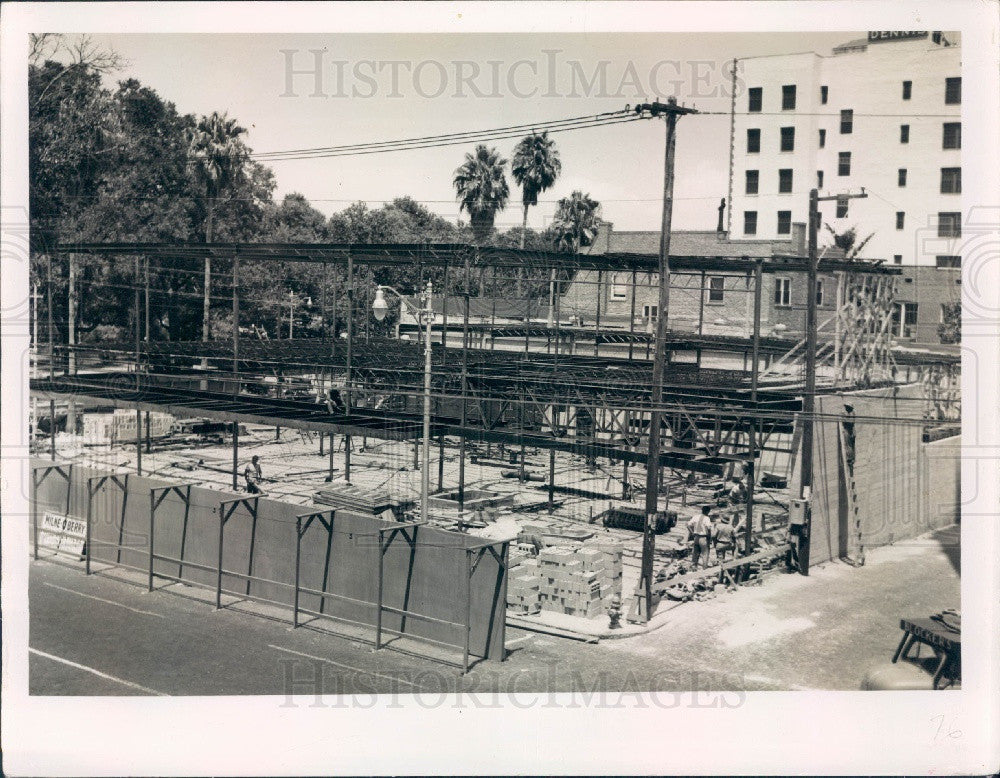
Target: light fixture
[379, 306]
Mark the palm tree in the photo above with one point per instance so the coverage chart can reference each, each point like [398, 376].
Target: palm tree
[535, 168]
[218, 155]
[847, 241]
[576, 221]
[482, 189]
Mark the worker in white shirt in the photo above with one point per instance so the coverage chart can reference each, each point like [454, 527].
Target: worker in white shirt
[699, 532]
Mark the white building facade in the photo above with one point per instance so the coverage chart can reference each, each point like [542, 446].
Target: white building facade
[882, 113]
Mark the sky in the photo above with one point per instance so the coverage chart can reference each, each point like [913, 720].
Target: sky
[377, 87]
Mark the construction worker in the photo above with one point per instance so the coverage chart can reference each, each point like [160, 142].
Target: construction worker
[699, 532]
[724, 540]
[252, 475]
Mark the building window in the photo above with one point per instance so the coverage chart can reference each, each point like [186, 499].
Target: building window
[788, 139]
[819, 291]
[788, 97]
[897, 259]
[842, 207]
[785, 180]
[819, 179]
[716, 289]
[901, 179]
[619, 291]
[949, 224]
[749, 222]
[953, 91]
[900, 219]
[951, 180]
[649, 312]
[904, 133]
[846, 122]
[952, 135]
[756, 99]
[907, 89]
[753, 141]
[784, 222]
[904, 319]
[753, 181]
[782, 292]
[822, 138]
[824, 92]
[844, 163]
[946, 260]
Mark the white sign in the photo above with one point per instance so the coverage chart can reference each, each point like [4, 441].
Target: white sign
[62, 533]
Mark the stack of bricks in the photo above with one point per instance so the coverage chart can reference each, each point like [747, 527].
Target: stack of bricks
[607, 557]
[579, 581]
[522, 587]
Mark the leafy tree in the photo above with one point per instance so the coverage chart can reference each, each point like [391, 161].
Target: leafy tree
[950, 328]
[535, 167]
[576, 222]
[482, 189]
[218, 157]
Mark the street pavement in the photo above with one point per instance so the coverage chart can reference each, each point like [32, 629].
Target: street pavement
[105, 635]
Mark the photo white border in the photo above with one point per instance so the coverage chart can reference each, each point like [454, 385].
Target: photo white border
[787, 732]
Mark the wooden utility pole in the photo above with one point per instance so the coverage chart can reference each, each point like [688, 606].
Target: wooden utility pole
[644, 604]
[809, 398]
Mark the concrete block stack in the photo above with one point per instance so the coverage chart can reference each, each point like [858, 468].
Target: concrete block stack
[580, 580]
[522, 588]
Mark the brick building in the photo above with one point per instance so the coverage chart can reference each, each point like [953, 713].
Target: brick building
[723, 302]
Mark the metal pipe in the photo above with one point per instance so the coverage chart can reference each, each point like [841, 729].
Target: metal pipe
[597, 321]
[138, 441]
[350, 358]
[90, 510]
[218, 578]
[425, 482]
[152, 521]
[631, 321]
[754, 380]
[465, 383]
[298, 567]
[381, 578]
[52, 359]
[468, 609]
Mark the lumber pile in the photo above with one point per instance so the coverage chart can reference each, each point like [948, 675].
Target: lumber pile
[347, 497]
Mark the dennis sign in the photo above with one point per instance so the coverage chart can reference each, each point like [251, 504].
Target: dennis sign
[890, 35]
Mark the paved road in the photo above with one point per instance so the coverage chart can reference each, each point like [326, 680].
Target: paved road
[102, 635]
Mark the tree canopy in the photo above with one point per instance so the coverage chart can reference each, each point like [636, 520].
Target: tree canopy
[113, 161]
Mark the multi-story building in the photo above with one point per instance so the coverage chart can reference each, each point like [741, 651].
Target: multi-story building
[882, 113]
[720, 302]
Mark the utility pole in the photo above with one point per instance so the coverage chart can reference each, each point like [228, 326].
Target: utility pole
[644, 604]
[809, 398]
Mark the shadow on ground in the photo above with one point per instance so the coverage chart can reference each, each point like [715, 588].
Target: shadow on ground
[949, 539]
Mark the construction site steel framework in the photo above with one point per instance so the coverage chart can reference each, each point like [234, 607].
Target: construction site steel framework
[545, 395]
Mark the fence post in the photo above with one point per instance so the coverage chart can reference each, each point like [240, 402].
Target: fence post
[86, 547]
[381, 572]
[152, 515]
[468, 609]
[218, 578]
[34, 509]
[298, 557]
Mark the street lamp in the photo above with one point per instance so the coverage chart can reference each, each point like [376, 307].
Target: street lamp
[424, 316]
